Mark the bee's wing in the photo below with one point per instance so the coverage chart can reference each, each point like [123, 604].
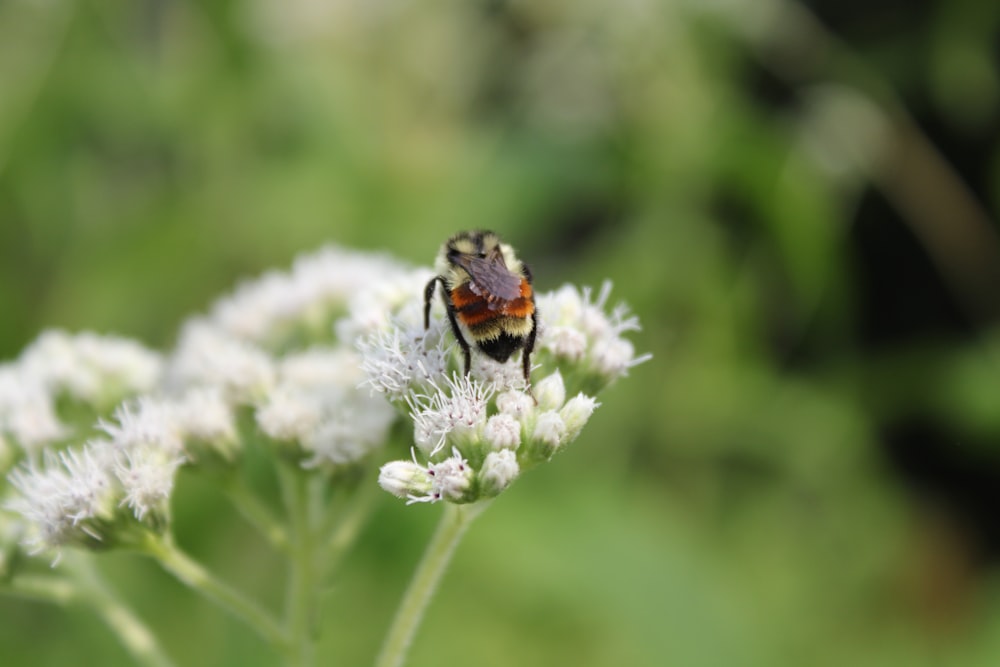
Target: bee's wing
[491, 275]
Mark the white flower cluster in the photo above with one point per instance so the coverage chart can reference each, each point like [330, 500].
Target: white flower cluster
[323, 357]
[318, 405]
[79, 495]
[92, 368]
[268, 348]
[95, 370]
[577, 331]
[320, 286]
[517, 436]
[477, 433]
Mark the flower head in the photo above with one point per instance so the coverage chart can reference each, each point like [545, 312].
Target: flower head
[99, 370]
[27, 411]
[581, 336]
[456, 409]
[319, 409]
[494, 426]
[208, 356]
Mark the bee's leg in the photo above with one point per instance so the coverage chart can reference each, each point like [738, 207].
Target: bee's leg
[466, 350]
[529, 347]
[428, 295]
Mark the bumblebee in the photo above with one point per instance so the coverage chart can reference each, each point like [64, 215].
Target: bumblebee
[488, 296]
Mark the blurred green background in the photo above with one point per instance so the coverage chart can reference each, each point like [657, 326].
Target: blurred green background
[798, 200]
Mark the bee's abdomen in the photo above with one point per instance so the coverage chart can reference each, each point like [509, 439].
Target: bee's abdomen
[501, 347]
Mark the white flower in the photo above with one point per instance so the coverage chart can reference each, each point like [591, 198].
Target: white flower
[288, 414]
[146, 423]
[147, 476]
[501, 376]
[27, 410]
[446, 480]
[350, 429]
[517, 404]
[550, 429]
[456, 409]
[395, 298]
[449, 479]
[550, 392]
[318, 285]
[404, 358]
[203, 414]
[209, 357]
[91, 367]
[60, 499]
[502, 431]
[577, 330]
[499, 470]
[319, 406]
[319, 367]
[405, 478]
[564, 341]
[575, 414]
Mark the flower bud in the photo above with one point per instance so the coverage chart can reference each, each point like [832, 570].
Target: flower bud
[502, 431]
[550, 392]
[575, 414]
[404, 479]
[499, 470]
[550, 432]
[516, 404]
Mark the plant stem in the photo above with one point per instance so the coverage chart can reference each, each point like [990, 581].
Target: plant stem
[340, 534]
[301, 602]
[88, 588]
[454, 521]
[257, 513]
[197, 577]
[55, 590]
[137, 639]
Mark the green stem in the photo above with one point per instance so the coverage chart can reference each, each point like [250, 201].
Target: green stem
[257, 513]
[339, 535]
[54, 590]
[137, 639]
[88, 588]
[301, 602]
[197, 577]
[454, 521]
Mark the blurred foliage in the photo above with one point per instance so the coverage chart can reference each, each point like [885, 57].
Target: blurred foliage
[745, 498]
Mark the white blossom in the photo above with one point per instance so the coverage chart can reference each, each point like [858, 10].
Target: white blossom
[203, 414]
[576, 329]
[576, 413]
[350, 429]
[209, 357]
[404, 358]
[405, 478]
[517, 404]
[147, 476]
[60, 498]
[445, 480]
[319, 406]
[146, 423]
[395, 299]
[27, 410]
[455, 409]
[449, 478]
[317, 286]
[502, 431]
[91, 367]
[550, 429]
[550, 392]
[499, 469]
